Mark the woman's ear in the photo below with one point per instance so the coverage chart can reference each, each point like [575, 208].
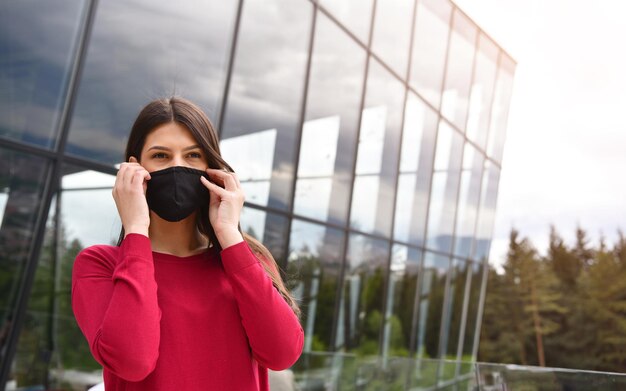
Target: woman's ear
[133, 160]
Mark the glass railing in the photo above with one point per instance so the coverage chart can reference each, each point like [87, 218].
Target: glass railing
[339, 371]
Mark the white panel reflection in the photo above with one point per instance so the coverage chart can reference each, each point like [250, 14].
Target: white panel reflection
[371, 140]
[368, 167]
[316, 166]
[87, 179]
[4, 197]
[252, 157]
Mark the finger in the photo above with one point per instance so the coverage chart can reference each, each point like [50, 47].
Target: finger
[226, 178]
[212, 187]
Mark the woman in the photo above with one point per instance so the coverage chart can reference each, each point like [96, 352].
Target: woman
[183, 302]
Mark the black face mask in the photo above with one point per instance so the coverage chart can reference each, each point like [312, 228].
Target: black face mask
[176, 192]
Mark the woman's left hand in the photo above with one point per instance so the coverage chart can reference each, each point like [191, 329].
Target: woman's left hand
[225, 205]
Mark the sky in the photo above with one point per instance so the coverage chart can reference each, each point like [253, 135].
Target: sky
[564, 158]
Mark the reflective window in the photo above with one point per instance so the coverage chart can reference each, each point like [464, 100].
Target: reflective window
[401, 289]
[356, 15]
[430, 41]
[456, 302]
[313, 273]
[500, 109]
[377, 156]
[268, 228]
[487, 210]
[416, 162]
[392, 33]
[262, 116]
[431, 295]
[141, 50]
[482, 91]
[469, 194]
[454, 102]
[361, 304]
[333, 106]
[37, 44]
[50, 338]
[476, 281]
[443, 192]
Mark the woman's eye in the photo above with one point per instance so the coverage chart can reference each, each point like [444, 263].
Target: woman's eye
[195, 155]
[159, 155]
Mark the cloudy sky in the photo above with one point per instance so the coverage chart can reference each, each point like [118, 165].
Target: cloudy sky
[565, 154]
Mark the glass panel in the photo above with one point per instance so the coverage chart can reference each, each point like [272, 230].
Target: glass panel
[471, 173]
[476, 281]
[361, 306]
[416, 162]
[141, 50]
[313, 270]
[356, 15]
[263, 113]
[500, 110]
[430, 41]
[517, 377]
[443, 195]
[377, 156]
[398, 326]
[22, 179]
[482, 91]
[52, 352]
[487, 210]
[432, 291]
[458, 80]
[269, 228]
[331, 120]
[392, 33]
[457, 301]
[37, 43]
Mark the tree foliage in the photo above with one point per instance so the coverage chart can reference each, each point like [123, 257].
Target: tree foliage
[565, 309]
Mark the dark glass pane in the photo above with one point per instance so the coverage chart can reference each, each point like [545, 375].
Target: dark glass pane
[486, 211]
[37, 43]
[416, 163]
[392, 33]
[141, 50]
[377, 156]
[51, 347]
[445, 184]
[329, 134]
[361, 306]
[401, 290]
[431, 296]
[430, 42]
[469, 195]
[454, 314]
[262, 117]
[500, 109]
[22, 179]
[482, 91]
[313, 273]
[268, 228]
[355, 15]
[454, 102]
[476, 281]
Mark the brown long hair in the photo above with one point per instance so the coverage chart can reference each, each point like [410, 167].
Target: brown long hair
[186, 113]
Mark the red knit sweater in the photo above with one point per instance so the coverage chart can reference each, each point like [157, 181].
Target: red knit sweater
[161, 322]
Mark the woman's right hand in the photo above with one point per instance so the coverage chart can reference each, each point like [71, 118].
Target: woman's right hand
[129, 193]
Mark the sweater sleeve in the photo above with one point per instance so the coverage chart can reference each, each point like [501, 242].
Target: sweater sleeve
[115, 305]
[274, 332]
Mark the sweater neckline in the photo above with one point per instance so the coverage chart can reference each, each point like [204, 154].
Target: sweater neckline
[201, 256]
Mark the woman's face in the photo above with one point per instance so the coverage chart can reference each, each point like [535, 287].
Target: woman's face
[171, 145]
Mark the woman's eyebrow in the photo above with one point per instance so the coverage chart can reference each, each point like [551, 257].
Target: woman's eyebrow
[195, 146]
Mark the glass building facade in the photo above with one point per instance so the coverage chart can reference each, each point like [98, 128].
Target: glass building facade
[367, 135]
